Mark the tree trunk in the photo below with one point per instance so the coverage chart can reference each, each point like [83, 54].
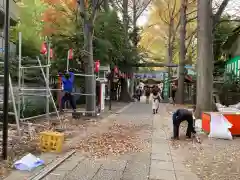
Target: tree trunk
[135, 43]
[205, 58]
[181, 75]
[170, 53]
[106, 5]
[90, 81]
[124, 95]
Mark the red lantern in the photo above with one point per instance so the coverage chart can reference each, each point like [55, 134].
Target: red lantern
[115, 69]
[97, 66]
[70, 54]
[43, 48]
[51, 53]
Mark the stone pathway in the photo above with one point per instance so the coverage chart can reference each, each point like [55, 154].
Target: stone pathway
[159, 162]
[165, 163]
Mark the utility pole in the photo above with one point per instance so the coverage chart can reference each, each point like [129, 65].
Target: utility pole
[6, 84]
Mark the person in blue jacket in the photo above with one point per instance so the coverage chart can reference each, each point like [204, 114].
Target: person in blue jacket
[67, 81]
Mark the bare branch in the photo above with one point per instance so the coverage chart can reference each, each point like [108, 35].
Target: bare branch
[82, 8]
[217, 16]
[142, 9]
[191, 19]
[194, 11]
[96, 5]
[192, 34]
[229, 20]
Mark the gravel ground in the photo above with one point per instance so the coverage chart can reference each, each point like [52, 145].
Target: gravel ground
[213, 159]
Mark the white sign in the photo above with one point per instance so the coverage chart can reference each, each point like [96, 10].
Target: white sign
[102, 96]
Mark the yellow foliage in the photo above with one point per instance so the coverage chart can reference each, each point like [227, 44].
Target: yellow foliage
[163, 14]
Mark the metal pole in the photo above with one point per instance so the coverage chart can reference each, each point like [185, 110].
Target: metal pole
[6, 84]
[19, 73]
[110, 89]
[23, 98]
[47, 79]
[68, 61]
[49, 91]
[110, 94]
[14, 106]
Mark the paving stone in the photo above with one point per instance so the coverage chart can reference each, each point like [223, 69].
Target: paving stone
[118, 165]
[159, 134]
[159, 141]
[161, 157]
[178, 166]
[160, 148]
[156, 174]
[104, 174]
[65, 168]
[137, 170]
[70, 163]
[176, 157]
[84, 170]
[156, 138]
[164, 165]
[186, 175]
[53, 176]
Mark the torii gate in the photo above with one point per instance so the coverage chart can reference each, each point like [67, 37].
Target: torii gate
[166, 85]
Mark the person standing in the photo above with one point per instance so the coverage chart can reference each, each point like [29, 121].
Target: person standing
[155, 99]
[139, 93]
[147, 94]
[67, 81]
[174, 90]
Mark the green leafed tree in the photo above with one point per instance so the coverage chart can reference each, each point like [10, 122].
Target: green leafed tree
[30, 25]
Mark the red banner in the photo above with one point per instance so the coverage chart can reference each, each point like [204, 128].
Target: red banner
[70, 54]
[51, 53]
[115, 69]
[97, 66]
[43, 48]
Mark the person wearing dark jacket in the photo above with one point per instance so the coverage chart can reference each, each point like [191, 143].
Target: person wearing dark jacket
[147, 94]
[67, 81]
[179, 116]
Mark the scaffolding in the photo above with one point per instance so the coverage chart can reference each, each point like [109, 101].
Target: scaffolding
[22, 90]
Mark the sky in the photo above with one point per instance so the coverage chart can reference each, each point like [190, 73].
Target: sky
[143, 18]
[232, 8]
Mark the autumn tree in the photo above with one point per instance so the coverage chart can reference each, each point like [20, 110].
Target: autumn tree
[131, 11]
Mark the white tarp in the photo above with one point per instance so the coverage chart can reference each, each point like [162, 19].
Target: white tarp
[28, 162]
[219, 127]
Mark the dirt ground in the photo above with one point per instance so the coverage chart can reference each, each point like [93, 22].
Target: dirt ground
[77, 133]
[213, 159]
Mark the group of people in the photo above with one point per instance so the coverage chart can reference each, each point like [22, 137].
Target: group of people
[179, 115]
[156, 92]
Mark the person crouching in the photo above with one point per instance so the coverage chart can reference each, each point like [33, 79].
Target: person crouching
[183, 115]
[67, 81]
